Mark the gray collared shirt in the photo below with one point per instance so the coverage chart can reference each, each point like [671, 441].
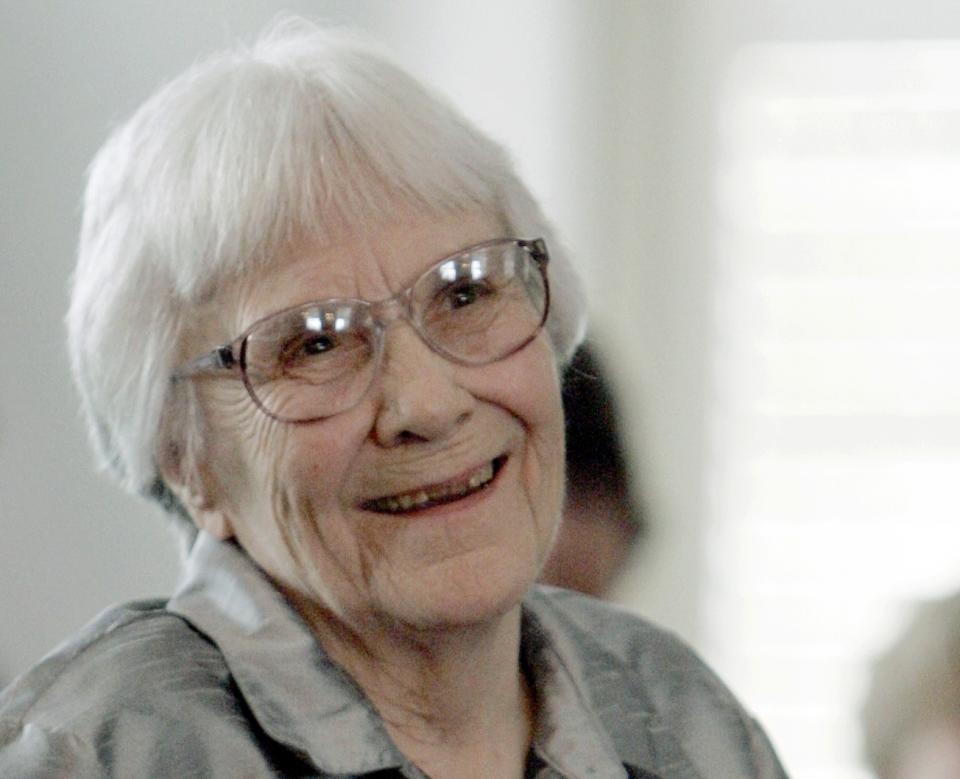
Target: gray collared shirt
[225, 680]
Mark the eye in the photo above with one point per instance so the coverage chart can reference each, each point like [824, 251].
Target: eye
[307, 345]
[466, 293]
[317, 344]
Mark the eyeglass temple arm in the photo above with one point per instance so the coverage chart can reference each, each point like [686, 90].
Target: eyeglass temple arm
[538, 250]
[220, 359]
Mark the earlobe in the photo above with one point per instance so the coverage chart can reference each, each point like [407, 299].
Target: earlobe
[194, 490]
[214, 521]
[207, 515]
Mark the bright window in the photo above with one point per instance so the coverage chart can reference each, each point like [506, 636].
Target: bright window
[835, 419]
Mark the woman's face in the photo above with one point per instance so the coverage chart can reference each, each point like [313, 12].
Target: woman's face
[297, 497]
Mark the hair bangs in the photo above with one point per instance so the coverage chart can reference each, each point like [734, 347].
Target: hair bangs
[277, 155]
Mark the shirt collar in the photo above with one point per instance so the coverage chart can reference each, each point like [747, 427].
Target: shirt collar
[306, 702]
[569, 737]
[605, 714]
[299, 697]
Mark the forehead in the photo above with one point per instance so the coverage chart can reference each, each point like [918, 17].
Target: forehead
[370, 266]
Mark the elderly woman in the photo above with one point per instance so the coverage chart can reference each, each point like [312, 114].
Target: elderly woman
[319, 319]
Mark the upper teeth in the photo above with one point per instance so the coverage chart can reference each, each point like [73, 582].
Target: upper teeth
[446, 491]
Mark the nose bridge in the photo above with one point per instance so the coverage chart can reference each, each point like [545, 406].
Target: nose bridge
[421, 397]
[406, 355]
[388, 311]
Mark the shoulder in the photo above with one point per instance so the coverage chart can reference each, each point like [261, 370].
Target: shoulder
[620, 636]
[127, 653]
[137, 671]
[630, 666]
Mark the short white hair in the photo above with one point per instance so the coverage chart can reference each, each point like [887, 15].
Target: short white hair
[307, 132]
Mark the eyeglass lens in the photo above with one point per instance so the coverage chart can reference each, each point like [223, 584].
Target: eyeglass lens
[319, 359]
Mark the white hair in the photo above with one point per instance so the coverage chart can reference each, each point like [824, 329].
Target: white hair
[307, 132]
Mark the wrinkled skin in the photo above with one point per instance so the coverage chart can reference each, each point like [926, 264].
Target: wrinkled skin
[292, 495]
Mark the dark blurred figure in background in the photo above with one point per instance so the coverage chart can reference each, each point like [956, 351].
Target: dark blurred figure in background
[601, 520]
[911, 716]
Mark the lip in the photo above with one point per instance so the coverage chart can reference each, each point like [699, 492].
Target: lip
[374, 505]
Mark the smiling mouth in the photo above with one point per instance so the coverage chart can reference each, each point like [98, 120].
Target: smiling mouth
[438, 494]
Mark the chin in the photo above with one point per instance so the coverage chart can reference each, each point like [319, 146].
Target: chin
[472, 593]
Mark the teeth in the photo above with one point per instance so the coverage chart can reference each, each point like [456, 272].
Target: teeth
[424, 497]
[482, 476]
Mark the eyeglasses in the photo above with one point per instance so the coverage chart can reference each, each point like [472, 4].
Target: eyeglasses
[315, 360]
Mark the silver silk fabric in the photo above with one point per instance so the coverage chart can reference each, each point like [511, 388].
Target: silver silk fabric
[225, 680]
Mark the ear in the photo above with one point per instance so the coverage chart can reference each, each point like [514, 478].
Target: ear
[215, 522]
[196, 487]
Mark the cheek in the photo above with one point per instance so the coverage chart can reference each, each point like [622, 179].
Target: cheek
[546, 447]
[529, 389]
[551, 441]
[539, 406]
[254, 461]
[528, 386]
[306, 483]
[315, 547]
[317, 460]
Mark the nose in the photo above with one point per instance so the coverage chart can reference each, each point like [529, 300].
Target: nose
[420, 397]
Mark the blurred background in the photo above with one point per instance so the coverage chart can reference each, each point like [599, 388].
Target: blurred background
[765, 200]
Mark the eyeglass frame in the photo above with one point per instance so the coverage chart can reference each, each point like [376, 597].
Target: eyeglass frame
[231, 356]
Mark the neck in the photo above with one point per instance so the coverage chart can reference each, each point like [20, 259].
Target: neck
[449, 698]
